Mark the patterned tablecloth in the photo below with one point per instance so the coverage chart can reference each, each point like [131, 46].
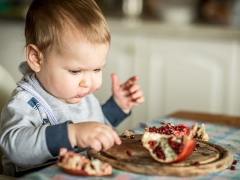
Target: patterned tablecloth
[225, 136]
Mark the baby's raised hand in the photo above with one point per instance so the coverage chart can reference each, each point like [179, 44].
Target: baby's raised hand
[128, 94]
[92, 134]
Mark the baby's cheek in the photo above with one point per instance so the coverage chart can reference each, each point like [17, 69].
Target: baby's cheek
[96, 86]
[97, 82]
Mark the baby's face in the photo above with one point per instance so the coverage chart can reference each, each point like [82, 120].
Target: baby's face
[73, 72]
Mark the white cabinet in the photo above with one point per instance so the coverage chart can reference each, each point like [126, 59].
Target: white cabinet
[195, 75]
[176, 72]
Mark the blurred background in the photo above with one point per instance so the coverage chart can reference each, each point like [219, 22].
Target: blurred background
[221, 12]
[185, 52]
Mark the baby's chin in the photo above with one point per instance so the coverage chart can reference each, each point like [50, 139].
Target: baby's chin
[71, 101]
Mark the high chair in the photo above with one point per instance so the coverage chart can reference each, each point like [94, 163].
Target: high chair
[7, 84]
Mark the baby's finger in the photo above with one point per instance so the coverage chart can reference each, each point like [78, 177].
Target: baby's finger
[136, 102]
[136, 95]
[115, 82]
[96, 145]
[140, 100]
[134, 88]
[131, 81]
[116, 137]
[106, 141]
[109, 138]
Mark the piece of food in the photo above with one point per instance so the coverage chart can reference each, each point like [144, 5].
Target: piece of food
[128, 134]
[76, 164]
[168, 148]
[181, 130]
[201, 133]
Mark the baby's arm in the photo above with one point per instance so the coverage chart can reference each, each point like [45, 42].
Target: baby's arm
[128, 94]
[23, 138]
[26, 142]
[92, 134]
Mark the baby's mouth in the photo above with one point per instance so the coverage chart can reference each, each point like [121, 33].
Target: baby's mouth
[81, 95]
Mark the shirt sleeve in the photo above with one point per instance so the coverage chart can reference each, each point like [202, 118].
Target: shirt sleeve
[57, 137]
[113, 112]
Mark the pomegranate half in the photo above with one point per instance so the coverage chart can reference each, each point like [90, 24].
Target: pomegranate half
[168, 148]
[75, 164]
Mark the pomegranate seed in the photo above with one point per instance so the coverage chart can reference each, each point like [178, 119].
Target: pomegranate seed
[232, 168]
[152, 144]
[132, 136]
[129, 153]
[197, 145]
[140, 140]
[234, 162]
[196, 164]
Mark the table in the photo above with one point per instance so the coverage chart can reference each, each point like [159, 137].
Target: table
[219, 127]
[207, 117]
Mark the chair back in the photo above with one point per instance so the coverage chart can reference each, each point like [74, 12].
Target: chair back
[7, 84]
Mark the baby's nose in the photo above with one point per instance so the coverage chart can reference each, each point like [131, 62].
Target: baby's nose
[86, 81]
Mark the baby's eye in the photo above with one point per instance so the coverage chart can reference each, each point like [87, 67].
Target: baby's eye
[97, 70]
[75, 72]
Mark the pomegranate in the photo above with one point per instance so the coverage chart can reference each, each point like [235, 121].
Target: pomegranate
[128, 134]
[181, 130]
[166, 148]
[201, 133]
[76, 164]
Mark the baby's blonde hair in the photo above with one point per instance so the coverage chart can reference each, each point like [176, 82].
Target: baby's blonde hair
[48, 20]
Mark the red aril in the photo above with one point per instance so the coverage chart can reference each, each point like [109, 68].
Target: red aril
[234, 162]
[181, 130]
[129, 153]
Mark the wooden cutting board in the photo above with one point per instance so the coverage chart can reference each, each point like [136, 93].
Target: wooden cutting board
[210, 157]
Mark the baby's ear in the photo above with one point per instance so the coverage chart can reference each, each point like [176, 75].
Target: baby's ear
[34, 57]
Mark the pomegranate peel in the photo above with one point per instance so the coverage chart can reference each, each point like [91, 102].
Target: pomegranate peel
[168, 148]
[189, 146]
[76, 164]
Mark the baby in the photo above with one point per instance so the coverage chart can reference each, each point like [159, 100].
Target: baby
[67, 42]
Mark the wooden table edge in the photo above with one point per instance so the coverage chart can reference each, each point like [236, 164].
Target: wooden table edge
[207, 117]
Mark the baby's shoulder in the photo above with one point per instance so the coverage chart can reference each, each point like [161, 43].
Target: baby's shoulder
[20, 95]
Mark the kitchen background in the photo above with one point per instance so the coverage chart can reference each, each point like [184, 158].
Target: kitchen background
[185, 52]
